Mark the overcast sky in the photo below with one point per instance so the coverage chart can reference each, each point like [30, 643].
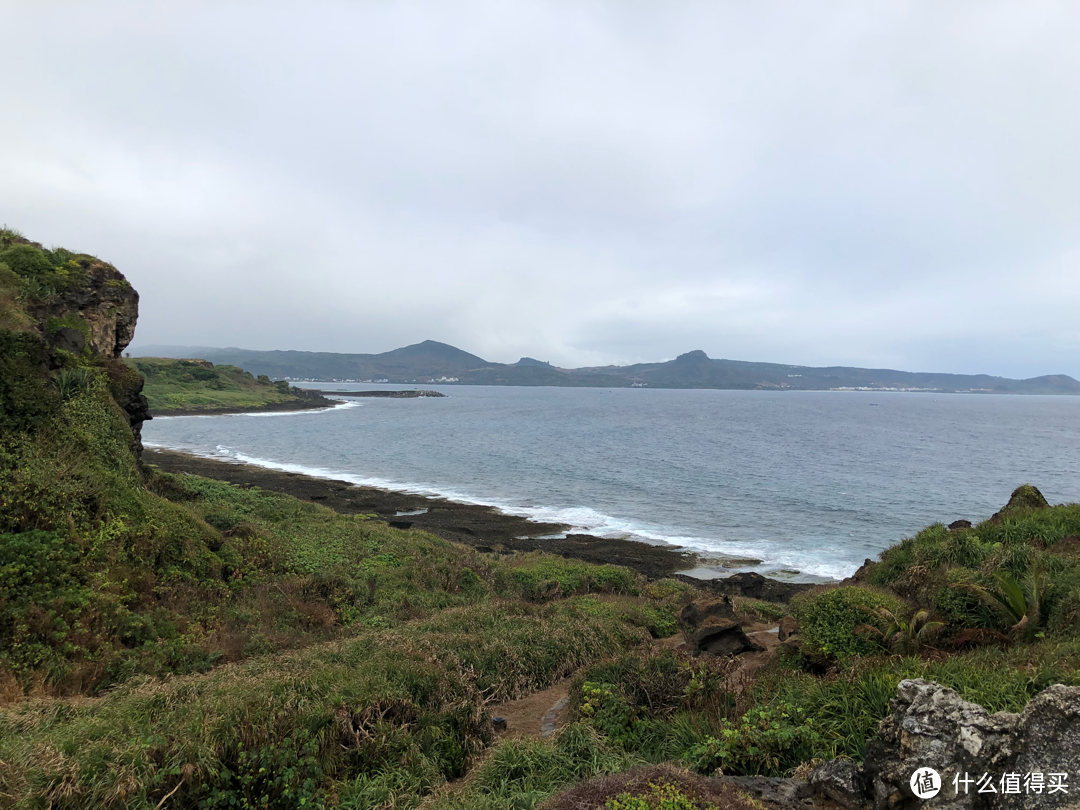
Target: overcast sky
[859, 183]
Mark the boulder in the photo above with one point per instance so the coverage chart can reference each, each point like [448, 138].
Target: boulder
[1048, 741]
[788, 628]
[710, 626]
[933, 727]
[695, 613]
[959, 524]
[841, 780]
[1024, 498]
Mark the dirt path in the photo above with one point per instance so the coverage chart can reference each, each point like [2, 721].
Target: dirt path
[542, 713]
[537, 715]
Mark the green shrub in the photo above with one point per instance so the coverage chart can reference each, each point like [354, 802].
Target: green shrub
[829, 620]
[848, 706]
[26, 403]
[1065, 615]
[43, 592]
[958, 605]
[766, 741]
[27, 260]
[660, 796]
[74, 382]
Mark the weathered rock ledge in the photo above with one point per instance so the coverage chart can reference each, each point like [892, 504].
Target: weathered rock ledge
[932, 727]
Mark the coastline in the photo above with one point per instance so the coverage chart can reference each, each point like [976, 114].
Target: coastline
[482, 527]
[272, 407]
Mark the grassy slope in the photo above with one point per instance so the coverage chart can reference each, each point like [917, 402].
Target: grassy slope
[181, 385]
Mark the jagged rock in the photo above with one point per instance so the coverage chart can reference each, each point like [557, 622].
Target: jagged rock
[126, 385]
[788, 628]
[1048, 740]
[959, 524]
[1024, 498]
[841, 780]
[750, 585]
[933, 727]
[710, 626]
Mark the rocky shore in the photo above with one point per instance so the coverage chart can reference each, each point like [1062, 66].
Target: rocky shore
[273, 407]
[481, 527]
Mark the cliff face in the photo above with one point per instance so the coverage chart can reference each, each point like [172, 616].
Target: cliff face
[83, 312]
[104, 300]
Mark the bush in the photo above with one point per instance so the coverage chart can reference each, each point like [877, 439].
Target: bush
[829, 620]
[27, 260]
[766, 741]
[43, 592]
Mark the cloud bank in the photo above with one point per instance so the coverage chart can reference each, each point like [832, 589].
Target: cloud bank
[888, 184]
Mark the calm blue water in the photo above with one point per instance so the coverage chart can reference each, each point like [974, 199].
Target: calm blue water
[807, 482]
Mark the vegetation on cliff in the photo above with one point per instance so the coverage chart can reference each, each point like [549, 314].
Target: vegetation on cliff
[180, 386]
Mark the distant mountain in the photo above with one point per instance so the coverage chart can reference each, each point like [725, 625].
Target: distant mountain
[528, 361]
[429, 361]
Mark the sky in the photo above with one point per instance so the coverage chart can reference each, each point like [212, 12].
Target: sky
[886, 184]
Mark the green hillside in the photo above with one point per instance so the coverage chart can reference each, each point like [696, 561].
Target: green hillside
[178, 386]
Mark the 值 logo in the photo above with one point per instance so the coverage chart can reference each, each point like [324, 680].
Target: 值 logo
[925, 783]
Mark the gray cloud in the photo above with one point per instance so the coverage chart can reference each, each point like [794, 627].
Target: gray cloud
[887, 184]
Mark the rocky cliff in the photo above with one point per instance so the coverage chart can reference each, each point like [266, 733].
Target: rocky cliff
[82, 311]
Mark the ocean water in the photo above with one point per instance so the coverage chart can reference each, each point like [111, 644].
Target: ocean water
[798, 485]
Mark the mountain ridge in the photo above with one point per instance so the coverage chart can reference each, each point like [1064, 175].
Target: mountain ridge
[431, 361]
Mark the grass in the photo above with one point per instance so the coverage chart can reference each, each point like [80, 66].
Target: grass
[407, 699]
[179, 385]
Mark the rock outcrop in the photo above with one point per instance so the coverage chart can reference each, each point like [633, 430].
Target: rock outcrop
[1024, 498]
[710, 626]
[105, 301]
[1011, 760]
[93, 311]
[750, 585]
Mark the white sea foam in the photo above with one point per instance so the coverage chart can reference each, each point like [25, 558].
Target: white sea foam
[579, 519]
[343, 405]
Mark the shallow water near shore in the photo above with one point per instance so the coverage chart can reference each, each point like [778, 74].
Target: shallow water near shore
[795, 485]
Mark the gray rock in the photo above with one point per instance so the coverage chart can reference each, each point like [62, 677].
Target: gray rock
[1048, 741]
[933, 727]
[841, 780]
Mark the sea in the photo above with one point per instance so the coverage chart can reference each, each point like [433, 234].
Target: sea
[798, 485]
